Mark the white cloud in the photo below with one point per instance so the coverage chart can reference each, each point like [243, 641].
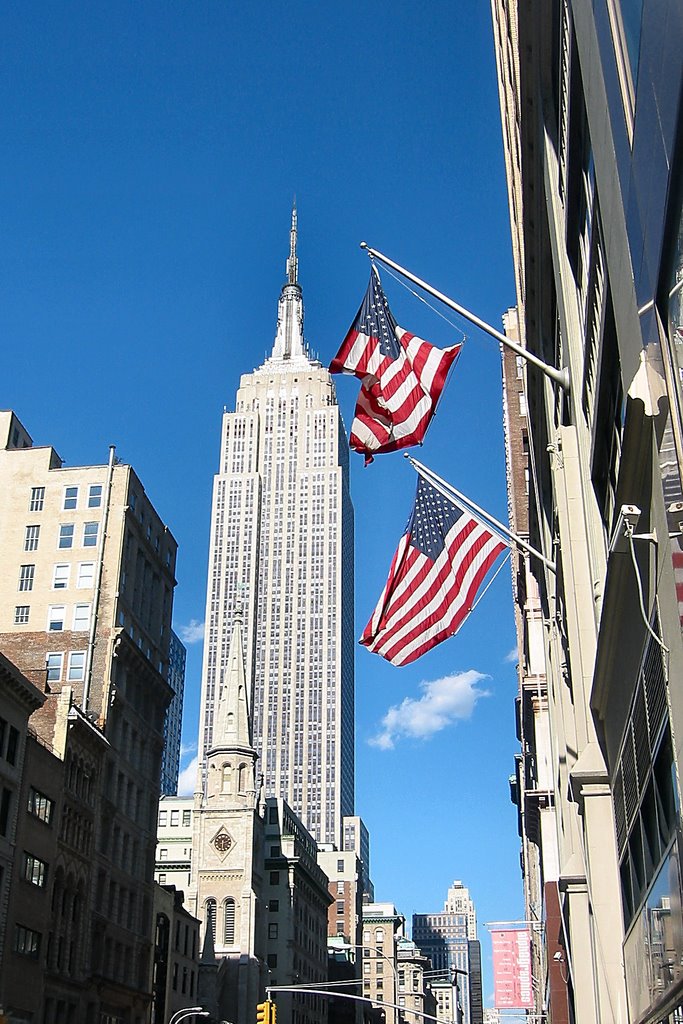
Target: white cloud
[512, 657]
[187, 748]
[188, 779]
[443, 702]
[192, 633]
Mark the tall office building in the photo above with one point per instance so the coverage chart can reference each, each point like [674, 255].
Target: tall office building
[449, 939]
[173, 723]
[282, 539]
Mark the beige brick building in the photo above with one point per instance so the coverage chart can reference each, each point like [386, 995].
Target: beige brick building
[86, 592]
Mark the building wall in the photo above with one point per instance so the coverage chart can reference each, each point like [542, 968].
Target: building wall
[175, 969]
[449, 939]
[175, 829]
[282, 535]
[593, 158]
[297, 900]
[345, 874]
[92, 619]
[173, 723]
[383, 927]
[18, 698]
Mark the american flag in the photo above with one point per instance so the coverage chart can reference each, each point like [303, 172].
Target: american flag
[401, 377]
[441, 561]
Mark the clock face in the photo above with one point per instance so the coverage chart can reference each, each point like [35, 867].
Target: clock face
[222, 842]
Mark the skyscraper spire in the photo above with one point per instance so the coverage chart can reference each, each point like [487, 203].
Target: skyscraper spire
[293, 262]
[289, 339]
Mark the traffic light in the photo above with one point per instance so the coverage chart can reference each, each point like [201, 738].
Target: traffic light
[273, 1013]
[265, 1012]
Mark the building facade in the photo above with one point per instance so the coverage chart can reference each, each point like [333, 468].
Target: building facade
[175, 830]
[383, 928]
[415, 995]
[282, 538]
[297, 899]
[591, 108]
[345, 875]
[175, 967]
[86, 597]
[449, 939]
[173, 723]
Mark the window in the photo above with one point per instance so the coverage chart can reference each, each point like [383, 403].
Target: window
[70, 498]
[229, 922]
[274, 877]
[340, 906]
[31, 538]
[21, 614]
[175, 818]
[5, 801]
[366, 967]
[35, 870]
[162, 878]
[81, 620]
[379, 936]
[275, 851]
[366, 935]
[163, 815]
[274, 905]
[26, 575]
[90, 534]
[340, 864]
[53, 663]
[66, 535]
[272, 960]
[60, 578]
[272, 930]
[163, 853]
[40, 806]
[187, 818]
[380, 967]
[86, 574]
[37, 499]
[55, 618]
[94, 495]
[340, 888]
[27, 942]
[210, 906]
[76, 669]
[12, 744]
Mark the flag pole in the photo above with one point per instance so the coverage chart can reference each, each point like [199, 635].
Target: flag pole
[440, 483]
[560, 377]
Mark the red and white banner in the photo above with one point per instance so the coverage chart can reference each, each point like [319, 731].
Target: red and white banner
[512, 969]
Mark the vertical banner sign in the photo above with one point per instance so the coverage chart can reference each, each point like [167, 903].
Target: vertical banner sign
[512, 969]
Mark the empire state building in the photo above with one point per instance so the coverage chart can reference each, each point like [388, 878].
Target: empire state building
[282, 541]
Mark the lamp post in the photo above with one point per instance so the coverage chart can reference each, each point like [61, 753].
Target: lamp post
[374, 949]
[188, 1011]
[378, 952]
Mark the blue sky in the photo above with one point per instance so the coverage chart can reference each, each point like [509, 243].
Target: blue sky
[151, 154]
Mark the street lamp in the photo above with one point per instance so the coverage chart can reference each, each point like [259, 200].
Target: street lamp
[374, 949]
[188, 1011]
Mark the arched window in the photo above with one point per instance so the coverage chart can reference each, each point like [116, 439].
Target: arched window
[242, 778]
[210, 916]
[226, 785]
[229, 922]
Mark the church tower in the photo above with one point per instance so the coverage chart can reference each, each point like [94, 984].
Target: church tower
[227, 845]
